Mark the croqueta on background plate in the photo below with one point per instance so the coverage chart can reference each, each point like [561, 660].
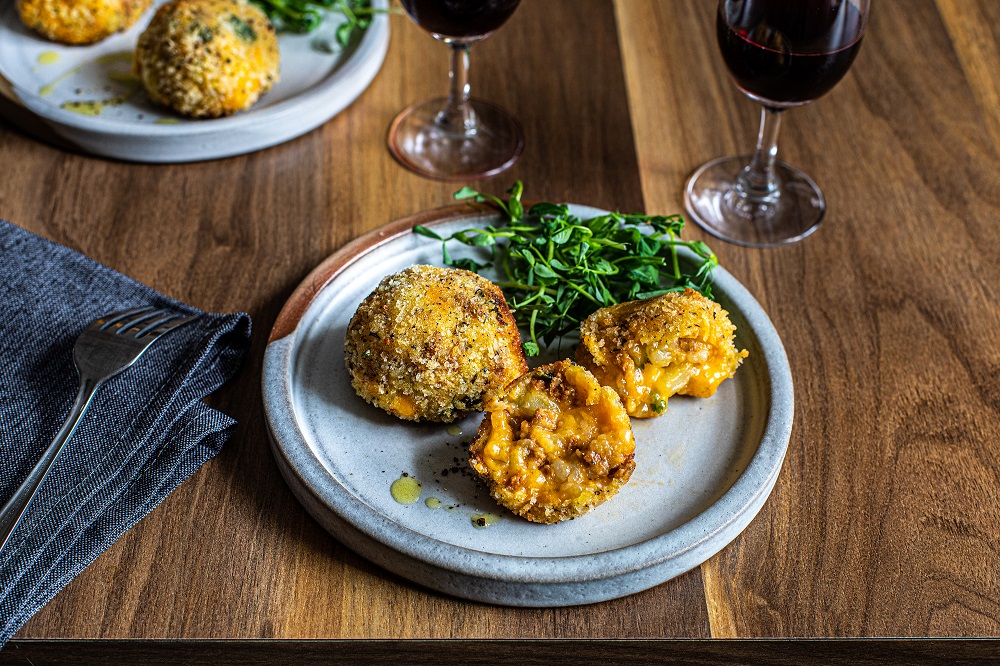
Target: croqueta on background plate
[38, 78]
[703, 469]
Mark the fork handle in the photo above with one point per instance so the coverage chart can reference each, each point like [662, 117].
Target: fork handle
[17, 506]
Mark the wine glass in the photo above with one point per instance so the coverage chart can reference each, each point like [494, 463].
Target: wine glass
[781, 53]
[457, 137]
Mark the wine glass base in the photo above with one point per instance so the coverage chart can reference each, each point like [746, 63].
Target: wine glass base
[713, 203]
[422, 145]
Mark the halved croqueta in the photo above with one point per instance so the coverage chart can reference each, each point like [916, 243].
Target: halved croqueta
[555, 444]
[649, 350]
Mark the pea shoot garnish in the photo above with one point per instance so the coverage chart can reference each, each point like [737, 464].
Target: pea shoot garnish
[306, 15]
[557, 268]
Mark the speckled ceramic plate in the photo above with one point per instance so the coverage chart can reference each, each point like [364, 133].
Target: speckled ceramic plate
[703, 469]
[42, 81]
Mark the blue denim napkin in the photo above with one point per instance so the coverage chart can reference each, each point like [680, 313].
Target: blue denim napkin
[145, 432]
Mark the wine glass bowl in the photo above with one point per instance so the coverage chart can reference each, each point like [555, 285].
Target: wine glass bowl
[780, 53]
[457, 137]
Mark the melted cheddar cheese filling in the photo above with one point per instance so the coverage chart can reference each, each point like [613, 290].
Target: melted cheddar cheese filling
[555, 445]
[649, 350]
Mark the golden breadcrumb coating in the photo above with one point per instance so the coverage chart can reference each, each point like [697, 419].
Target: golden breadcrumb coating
[207, 58]
[649, 350]
[429, 343]
[555, 445]
[80, 21]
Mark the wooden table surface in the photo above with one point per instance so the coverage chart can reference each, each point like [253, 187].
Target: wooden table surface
[885, 520]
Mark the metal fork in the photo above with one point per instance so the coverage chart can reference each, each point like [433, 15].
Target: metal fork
[104, 349]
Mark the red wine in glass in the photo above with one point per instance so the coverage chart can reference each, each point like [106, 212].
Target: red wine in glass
[781, 53]
[460, 18]
[789, 52]
[458, 137]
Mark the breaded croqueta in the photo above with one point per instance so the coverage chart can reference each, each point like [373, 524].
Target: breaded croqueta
[429, 343]
[80, 22]
[207, 58]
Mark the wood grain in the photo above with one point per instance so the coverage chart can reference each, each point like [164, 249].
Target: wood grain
[489, 652]
[884, 521]
[974, 29]
[231, 553]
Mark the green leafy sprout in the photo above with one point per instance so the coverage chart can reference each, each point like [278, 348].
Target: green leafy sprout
[306, 15]
[558, 268]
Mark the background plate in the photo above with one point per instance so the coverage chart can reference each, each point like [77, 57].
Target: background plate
[703, 469]
[315, 85]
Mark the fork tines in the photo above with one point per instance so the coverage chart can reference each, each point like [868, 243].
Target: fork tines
[140, 322]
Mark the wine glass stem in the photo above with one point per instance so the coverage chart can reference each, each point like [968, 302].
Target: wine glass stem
[457, 116]
[757, 181]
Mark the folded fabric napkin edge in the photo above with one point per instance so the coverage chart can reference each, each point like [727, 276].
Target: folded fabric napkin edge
[34, 264]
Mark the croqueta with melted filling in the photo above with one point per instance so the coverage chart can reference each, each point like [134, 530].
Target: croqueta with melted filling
[79, 22]
[207, 58]
[649, 350]
[555, 445]
[430, 343]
